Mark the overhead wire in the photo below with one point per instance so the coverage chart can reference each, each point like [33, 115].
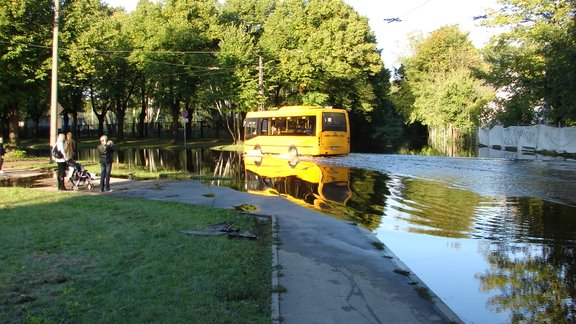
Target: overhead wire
[400, 18]
[415, 8]
[193, 70]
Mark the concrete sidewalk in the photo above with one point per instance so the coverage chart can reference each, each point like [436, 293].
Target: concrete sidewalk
[329, 271]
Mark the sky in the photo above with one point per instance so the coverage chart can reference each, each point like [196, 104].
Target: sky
[422, 16]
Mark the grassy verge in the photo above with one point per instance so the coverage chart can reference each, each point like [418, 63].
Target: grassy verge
[70, 258]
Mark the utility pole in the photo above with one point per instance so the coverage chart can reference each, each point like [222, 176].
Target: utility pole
[54, 86]
[261, 82]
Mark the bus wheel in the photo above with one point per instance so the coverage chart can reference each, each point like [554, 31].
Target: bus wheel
[293, 151]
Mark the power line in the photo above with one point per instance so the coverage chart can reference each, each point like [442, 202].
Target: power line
[114, 53]
[400, 18]
[415, 8]
[49, 47]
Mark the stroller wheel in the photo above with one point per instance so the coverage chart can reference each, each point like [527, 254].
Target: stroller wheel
[75, 187]
[90, 186]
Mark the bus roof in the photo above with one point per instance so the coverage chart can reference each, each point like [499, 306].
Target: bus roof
[292, 111]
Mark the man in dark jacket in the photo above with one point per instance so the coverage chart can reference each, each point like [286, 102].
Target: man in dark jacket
[2, 152]
[70, 147]
[105, 149]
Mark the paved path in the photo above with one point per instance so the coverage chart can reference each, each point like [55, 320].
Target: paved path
[332, 271]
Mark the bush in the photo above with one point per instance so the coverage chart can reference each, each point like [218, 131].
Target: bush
[15, 154]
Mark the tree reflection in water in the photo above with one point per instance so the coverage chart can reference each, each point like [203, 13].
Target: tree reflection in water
[536, 282]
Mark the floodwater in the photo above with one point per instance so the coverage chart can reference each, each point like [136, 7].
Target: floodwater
[493, 236]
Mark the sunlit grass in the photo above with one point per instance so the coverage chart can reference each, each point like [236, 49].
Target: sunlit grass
[72, 258]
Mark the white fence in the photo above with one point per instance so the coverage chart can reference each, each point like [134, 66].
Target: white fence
[536, 138]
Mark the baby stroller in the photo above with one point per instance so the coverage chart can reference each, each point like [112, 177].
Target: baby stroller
[79, 176]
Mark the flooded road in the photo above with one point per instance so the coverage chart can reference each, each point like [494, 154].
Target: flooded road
[495, 239]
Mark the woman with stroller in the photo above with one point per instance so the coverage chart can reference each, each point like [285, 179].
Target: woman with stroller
[60, 159]
[105, 149]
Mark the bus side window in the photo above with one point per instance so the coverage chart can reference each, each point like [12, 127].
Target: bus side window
[310, 126]
[279, 126]
[264, 127]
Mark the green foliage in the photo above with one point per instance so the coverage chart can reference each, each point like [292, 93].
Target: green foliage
[439, 86]
[315, 98]
[24, 67]
[16, 154]
[532, 61]
[441, 80]
[201, 55]
[317, 45]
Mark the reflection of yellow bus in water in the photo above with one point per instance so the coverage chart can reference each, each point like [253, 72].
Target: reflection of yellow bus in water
[305, 130]
[306, 183]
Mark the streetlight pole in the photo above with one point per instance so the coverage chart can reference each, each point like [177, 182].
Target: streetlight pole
[261, 82]
[54, 85]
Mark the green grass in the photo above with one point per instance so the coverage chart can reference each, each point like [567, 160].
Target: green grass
[86, 259]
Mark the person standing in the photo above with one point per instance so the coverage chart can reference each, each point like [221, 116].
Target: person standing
[70, 146]
[105, 149]
[2, 152]
[60, 159]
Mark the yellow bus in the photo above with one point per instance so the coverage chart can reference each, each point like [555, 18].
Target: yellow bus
[297, 130]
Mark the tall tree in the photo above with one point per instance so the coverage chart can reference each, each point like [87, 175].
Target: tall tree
[76, 18]
[316, 46]
[239, 86]
[141, 28]
[97, 64]
[37, 105]
[25, 42]
[534, 60]
[181, 40]
[448, 95]
[234, 90]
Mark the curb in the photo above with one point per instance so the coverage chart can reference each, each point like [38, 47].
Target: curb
[275, 303]
[387, 253]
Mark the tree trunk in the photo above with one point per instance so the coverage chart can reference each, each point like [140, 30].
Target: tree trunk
[175, 110]
[143, 107]
[100, 116]
[120, 113]
[13, 128]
